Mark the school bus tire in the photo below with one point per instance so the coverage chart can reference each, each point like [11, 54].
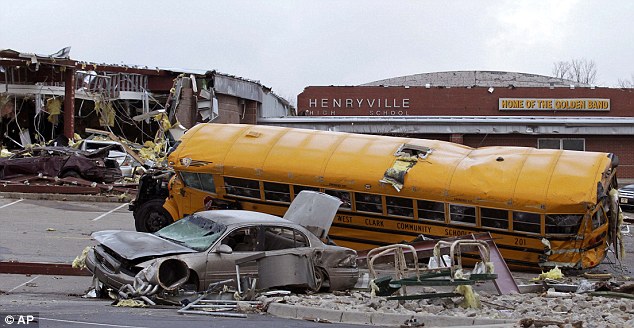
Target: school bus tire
[151, 216]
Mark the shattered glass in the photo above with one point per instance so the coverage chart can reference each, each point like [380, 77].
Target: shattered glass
[194, 231]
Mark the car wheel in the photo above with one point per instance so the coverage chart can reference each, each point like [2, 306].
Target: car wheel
[321, 279]
[151, 216]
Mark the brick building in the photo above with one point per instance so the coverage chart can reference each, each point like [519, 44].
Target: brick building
[479, 109]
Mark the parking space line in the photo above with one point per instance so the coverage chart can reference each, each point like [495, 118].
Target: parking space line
[89, 323]
[20, 285]
[17, 201]
[102, 215]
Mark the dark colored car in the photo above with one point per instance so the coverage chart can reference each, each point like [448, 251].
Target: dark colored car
[61, 162]
[626, 197]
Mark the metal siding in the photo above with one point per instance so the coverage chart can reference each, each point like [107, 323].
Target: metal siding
[239, 88]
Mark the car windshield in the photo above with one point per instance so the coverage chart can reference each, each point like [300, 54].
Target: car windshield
[194, 231]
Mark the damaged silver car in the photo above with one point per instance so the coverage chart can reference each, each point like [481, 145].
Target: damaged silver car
[204, 248]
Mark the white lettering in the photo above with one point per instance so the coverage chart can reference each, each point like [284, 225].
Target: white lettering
[336, 103]
[324, 103]
[406, 103]
[360, 102]
[371, 104]
[348, 103]
[312, 102]
[394, 104]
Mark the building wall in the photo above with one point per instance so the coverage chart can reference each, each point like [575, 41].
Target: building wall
[440, 101]
[229, 109]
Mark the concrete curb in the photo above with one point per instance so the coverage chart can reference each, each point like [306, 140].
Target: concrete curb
[379, 319]
[65, 197]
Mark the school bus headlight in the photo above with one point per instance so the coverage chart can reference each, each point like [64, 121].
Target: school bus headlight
[186, 161]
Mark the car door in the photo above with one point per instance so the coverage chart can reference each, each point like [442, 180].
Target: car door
[244, 241]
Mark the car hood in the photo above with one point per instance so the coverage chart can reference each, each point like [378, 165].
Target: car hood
[133, 245]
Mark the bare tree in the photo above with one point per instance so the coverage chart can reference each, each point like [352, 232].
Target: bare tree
[578, 70]
[625, 83]
[561, 69]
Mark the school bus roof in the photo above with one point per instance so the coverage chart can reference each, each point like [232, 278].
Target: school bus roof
[521, 178]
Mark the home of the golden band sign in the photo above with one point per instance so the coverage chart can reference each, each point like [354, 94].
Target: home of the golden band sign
[593, 104]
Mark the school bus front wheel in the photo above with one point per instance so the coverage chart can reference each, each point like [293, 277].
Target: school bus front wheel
[151, 216]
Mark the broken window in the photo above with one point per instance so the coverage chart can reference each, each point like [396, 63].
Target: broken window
[277, 192]
[527, 222]
[494, 218]
[344, 196]
[428, 210]
[242, 187]
[462, 214]
[242, 240]
[194, 231]
[368, 203]
[563, 223]
[276, 238]
[199, 181]
[399, 206]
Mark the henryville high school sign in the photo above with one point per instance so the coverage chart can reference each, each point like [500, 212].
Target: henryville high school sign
[375, 106]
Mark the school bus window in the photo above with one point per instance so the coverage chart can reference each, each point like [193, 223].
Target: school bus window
[399, 206]
[462, 214]
[297, 189]
[527, 222]
[563, 223]
[277, 192]
[276, 238]
[344, 196]
[242, 187]
[368, 203]
[431, 210]
[191, 180]
[207, 182]
[494, 218]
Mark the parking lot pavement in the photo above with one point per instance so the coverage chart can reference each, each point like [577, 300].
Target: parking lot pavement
[15, 284]
[55, 231]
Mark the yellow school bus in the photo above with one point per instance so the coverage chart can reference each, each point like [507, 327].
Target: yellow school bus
[543, 207]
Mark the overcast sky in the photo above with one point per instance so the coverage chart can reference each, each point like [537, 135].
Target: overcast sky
[288, 45]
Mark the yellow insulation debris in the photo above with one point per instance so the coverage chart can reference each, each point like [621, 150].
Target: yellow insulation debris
[554, 274]
[54, 108]
[5, 153]
[130, 303]
[471, 298]
[106, 113]
[80, 261]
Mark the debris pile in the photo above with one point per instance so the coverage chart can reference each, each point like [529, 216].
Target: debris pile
[594, 310]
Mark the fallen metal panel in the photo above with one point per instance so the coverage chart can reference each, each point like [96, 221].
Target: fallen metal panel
[237, 87]
[505, 283]
[53, 269]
